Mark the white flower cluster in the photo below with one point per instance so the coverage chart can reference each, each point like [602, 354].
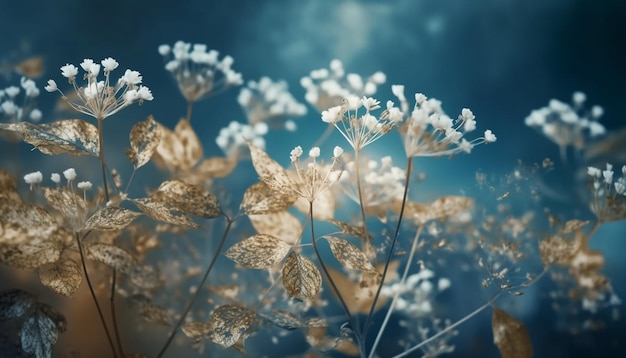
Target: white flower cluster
[429, 132]
[326, 88]
[232, 139]
[35, 178]
[314, 178]
[380, 185]
[417, 293]
[101, 98]
[8, 102]
[362, 130]
[198, 72]
[607, 191]
[270, 102]
[568, 125]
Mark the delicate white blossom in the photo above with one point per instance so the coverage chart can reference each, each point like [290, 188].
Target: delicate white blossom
[33, 178]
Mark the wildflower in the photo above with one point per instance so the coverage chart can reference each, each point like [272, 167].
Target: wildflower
[232, 139]
[84, 185]
[33, 178]
[607, 193]
[314, 178]
[361, 131]
[199, 73]
[69, 174]
[55, 177]
[101, 99]
[15, 111]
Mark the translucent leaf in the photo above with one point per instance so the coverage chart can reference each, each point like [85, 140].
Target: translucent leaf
[283, 319]
[192, 198]
[150, 312]
[71, 206]
[269, 171]
[37, 252]
[229, 323]
[301, 278]
[119, 259]
[111, 218]
[144, 139]
[323, 206]
[179, 150]
[69, 136]
[196, 330]
[38, 334]
[359, 296]
[15, 303]
[162, 207]
[350, 256]
[510, 335]
[349, 229]
[144, 276]
[216, 167]
[440, 209]
[260, 199]
[64, 276]
[258, 251]
[21, 223]
[59, 320]
[283, 224]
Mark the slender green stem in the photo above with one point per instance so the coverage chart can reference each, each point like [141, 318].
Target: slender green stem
[199, 288]
[330, 280]
[370, 315]
[450, 327]
[397, 294]
[93, 295]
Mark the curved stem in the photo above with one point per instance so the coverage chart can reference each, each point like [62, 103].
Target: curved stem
[196, 294]
[370, 315]
[450, 327]
[397, 294]
[330, 280]
[93, 295]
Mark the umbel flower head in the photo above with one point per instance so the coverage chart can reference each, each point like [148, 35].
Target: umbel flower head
[314, 178]
[102, 98]
[198, 72]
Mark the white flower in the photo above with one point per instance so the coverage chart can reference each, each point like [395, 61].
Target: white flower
[332, 115]
[295, 154]
[84, 185]
[92, 68]
[489, 136]
[55, 177]
[370, 103]
[131, 77]
[164, 50]
[109, 64]
[69, 174]
[9, 108]
[12, 91]
[144, 93]
[35, 115]
[52, 86]
[398, 91]
[594, 172]
[30, 87]
[69, 71]
[337, 151]
[314, 152]
[33, 178]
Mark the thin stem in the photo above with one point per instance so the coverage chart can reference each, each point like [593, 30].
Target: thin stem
[101, 157]
[370, 315]
[189, 108]
[367, 245]
[116, 331]
[397, 294]
[93, 295]
[450, 327]
[199, 287]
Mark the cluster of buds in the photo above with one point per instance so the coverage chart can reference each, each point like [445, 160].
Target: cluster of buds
[8, 102]
[608, 193]
[232, 139]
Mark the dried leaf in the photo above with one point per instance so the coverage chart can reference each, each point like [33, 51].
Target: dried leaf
[144, 139]
[15, 303]
[69, 136]
[350, 230]
[111, 256]
[283, 319]
[615, 209]
[37, 252]
[162, 207]
[111, 218]
[144, 276]
[21, 222]
[440, 209]
[192, 198]
[573, 225]
[269, 171]
[64, 276]
[258, 251]
[350, 256]
[283, 224]
[38, 334]
[196, 330]
[301, 278]
[150, 312]
[259, 199]
[8, 186]
[71, 206]
[179, 150]
[216, 167]
[510, 335]
[229, 323]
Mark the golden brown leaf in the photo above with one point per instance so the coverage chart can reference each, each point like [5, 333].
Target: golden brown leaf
[67, 136]
[259, 199]
[196, 330]
[162, 207]
[216, 167]
[71, 206]
[258, 251]
[191, 198]
[178, 150]
[284, 319]
[64, 276]
[229, 323]
[283, 224]
[301, 278]
[21, 222]
[111, 256]
[440, 209]
[150, 312]
[36, 252]
[111, 218]
[8, 186]
[350, 230]
[269, 171]
[144, 139]
[350, 256]
[573, 225]
[510, 335]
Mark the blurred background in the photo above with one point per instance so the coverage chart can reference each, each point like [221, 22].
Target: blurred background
[501, 58]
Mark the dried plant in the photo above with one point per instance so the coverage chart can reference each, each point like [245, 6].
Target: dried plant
[294, 256]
